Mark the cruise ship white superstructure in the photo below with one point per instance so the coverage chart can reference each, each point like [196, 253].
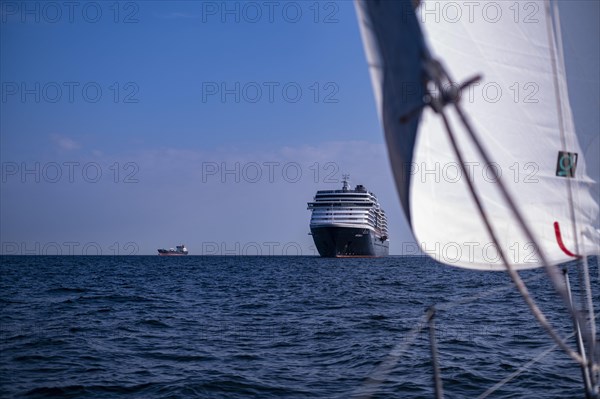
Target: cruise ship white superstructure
[348, 223]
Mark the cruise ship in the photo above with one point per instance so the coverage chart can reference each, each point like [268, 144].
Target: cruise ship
[348, 223]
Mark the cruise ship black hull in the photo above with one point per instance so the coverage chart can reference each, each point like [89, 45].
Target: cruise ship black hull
[341, 242]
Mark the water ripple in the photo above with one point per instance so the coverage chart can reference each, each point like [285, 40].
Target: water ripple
[237, 327]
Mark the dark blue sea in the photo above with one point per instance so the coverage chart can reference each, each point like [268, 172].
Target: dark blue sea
[271, 327]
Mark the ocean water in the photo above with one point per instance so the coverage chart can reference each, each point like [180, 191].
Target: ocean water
[270, 327]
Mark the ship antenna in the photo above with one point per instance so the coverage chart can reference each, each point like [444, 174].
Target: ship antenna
[345, 179]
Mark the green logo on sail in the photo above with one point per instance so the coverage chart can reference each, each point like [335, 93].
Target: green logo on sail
[566, 164]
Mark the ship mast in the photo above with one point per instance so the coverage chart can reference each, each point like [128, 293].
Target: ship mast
[345, 180]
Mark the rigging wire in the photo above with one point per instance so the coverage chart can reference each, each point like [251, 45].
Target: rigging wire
[523, 368]
[436, 73]
[520, 370]
[437, 375]
[550, 269]
[584, 276]
[381, 372]
[587, 374]
[473, 298]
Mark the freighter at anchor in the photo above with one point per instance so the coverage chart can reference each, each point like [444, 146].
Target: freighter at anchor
[180, 250]
[348, 223]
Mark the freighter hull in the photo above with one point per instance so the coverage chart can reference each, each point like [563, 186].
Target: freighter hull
[180, 251]
[340, 242]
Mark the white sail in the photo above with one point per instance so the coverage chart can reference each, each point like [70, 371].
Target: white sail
[520, 110]
[396, 79]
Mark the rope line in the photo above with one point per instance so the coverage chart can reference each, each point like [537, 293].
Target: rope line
[381, 372]
[520, 370]
[523, 368]
[554, 31]
[435, 364]
[436, 72]
[451, 304]
[550, 269]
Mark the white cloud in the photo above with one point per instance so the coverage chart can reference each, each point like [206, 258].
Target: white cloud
[65, 143]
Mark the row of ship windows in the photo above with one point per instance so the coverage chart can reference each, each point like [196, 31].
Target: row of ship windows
[353, 222]
[343, 203]
[345, 199]
[370, 216]
[349, 215]
[346, 205]
[364, 210]
[337, 219]
[344, 196]
[356, 212]
[342, 215]
[340, 210]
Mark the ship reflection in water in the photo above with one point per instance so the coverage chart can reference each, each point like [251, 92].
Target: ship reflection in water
[180, 250]
[348, 223]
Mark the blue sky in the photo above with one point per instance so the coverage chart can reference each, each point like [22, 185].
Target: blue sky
[128, 118]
